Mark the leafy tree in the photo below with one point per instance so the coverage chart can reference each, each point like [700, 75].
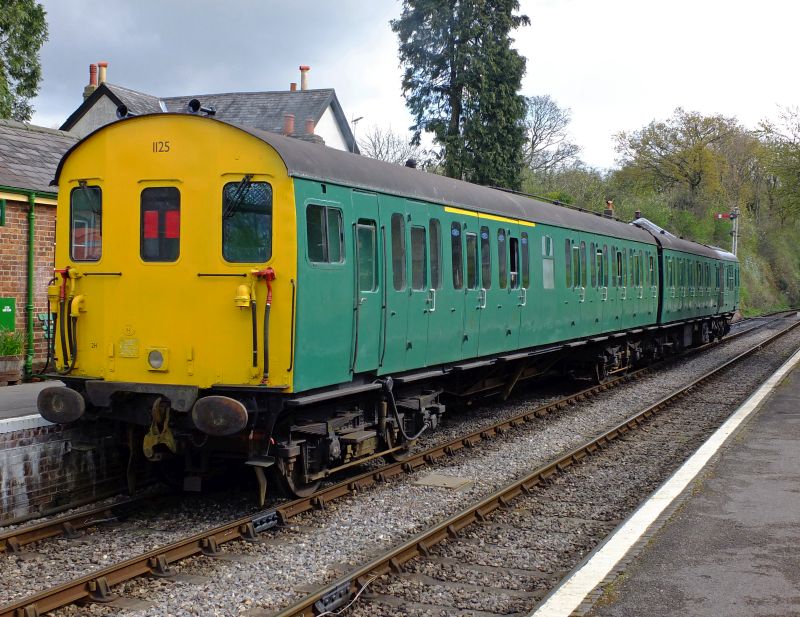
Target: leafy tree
[547, 146]
[681, 151]
[461, 83]
[23, 31]
[782, 160]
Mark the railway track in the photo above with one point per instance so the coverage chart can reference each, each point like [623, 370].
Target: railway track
[96, 586]
[483, 559]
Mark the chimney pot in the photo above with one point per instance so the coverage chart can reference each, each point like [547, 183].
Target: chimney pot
[310, 126]
[304, 76]
[288, 124]
[93, 75]
[293, 87]
[103, 66]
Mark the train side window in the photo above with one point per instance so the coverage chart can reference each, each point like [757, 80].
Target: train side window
[598, 258]
[576, 265]
[160, 225]
[367, 233]
[641, 268]
[399, 251]
[513, 262]
[620, 270]
[568, 262]
[324, 234]
[435, 229]
[502, 259]
[652, 269]
[584, 267]
[472, 261]
[593, 264]
[456, 250]
[613, 266]
[486, 259]
[526, 262]
[605, 265]
[86, 216]
[548, 262]
[419, 259]
[246, 221]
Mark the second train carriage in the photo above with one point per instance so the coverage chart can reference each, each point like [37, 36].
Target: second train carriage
[227, 291]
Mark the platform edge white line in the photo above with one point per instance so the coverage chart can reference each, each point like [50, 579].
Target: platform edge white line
[566, 598]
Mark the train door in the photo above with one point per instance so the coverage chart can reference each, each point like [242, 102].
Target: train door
[652, 289]
[368, 298]
[593, 306]
[621, 270]
[445, 289]
[720, 288]
[419, 298]
[394, 243]
[499, 327]
[474, 295]
[604, 281]
[576, 287]
[537, 290]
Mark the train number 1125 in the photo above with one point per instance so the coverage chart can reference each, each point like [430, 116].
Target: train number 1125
[160, 146]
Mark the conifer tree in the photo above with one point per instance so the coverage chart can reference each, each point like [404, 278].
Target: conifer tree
[23, 31]
[462, 81]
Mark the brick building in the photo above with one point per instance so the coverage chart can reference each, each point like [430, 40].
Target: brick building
[28, 159]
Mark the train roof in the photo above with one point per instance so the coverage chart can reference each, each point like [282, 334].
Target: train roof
[323, 164]
[674, 243]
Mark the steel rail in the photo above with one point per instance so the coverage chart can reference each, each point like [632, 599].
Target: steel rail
[334, 595]
[13, 541]
[96, 585]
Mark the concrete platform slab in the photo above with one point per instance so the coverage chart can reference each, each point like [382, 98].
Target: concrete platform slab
[18, 406]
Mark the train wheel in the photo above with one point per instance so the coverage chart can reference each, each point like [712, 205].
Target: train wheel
[292, 482]
[600, 372]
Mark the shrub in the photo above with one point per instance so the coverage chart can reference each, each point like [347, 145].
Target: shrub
[10, 343]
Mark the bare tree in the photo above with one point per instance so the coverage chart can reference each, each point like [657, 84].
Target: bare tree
[547, 147]
[386, 145]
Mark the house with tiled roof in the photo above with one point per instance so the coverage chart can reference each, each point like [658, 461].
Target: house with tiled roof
[29, 156]
[303, 113]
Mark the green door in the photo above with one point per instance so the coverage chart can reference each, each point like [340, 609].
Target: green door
[575, 296]
[394, 242]
[446, 289]
[474, 296]
[419, 298]
[368, 311]
[500, 317]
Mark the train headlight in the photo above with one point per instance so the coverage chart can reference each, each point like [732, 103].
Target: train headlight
[157, 359]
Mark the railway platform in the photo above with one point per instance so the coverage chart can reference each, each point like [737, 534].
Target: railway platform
[18, 406]
[728, 546]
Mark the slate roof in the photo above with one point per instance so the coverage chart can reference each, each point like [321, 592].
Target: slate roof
[261, 110]
[30, 154]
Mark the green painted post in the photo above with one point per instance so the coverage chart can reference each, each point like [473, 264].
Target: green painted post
[29, 306]
[2, 212]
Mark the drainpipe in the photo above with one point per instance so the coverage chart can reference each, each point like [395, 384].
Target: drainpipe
[29, 307]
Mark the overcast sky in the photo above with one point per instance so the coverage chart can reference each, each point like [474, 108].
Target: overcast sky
[616, 64]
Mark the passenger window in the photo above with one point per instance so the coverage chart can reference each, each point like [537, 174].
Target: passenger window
[568, 262]
[436, 254]
[598, 258]
[513, 262]
[456, 250]
[367, 234]
[486, 259]
[324, 234]
[160, 224]
[620, 270]
[605, 265]
[399, 251]
[246, 221]
[583, 264]
[502, 259]
[419, 259]
[576, 266]
[548, 263]
[526, 263]
[593, 264]
[86, 216]
[472, 261]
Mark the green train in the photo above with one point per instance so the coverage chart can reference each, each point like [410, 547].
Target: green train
[231, 293]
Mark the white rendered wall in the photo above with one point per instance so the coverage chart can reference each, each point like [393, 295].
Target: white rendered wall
[328, 129]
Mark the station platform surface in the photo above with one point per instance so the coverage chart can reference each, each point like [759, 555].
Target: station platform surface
[18, 404]
[732, 549]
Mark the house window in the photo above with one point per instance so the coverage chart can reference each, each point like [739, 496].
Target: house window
[160, 226]
[86, 216]
[324, 234]
[247, 222]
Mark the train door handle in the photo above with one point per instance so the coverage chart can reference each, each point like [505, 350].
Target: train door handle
[482, 299]
[432, 300]
[362, 300]
[605, 293]
[624, 291]
[523, 297]
[583, 294]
